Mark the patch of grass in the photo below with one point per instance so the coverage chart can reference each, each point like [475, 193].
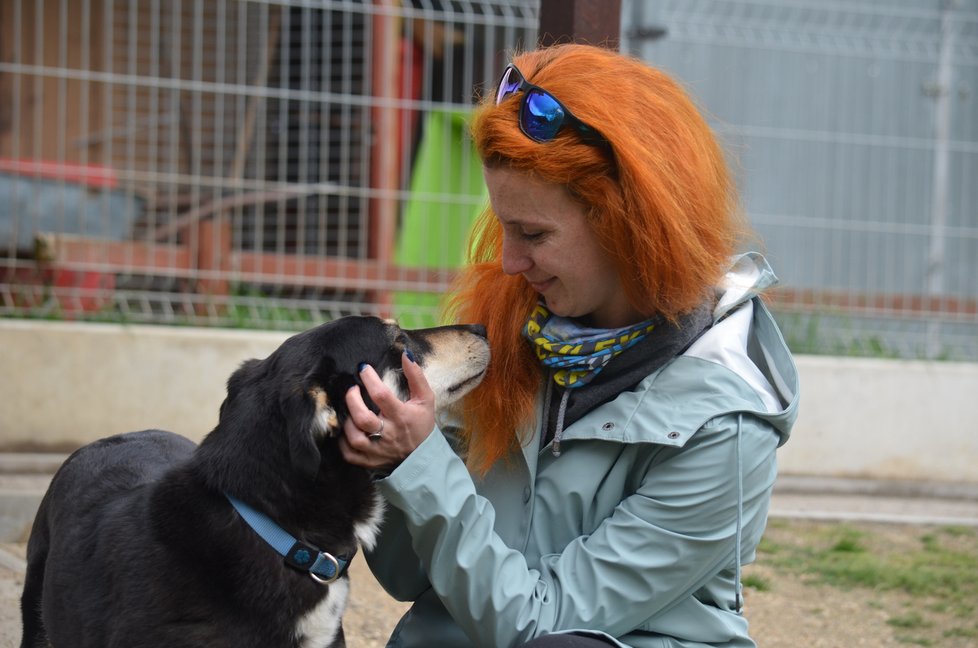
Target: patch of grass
[820, 335]
[768, 546]
[959, 531]
[848, 543]
[246, 306]
[912, 620]
[756, 582]
[257, 314]
[916, 641]
[937, 571]
[966, 633]
[844, 556]
[834, 332]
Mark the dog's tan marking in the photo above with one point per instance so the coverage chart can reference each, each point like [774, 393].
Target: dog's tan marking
[319, 396]
[326, 419]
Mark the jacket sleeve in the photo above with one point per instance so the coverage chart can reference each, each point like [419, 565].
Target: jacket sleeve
[662, 543]
[392, 560]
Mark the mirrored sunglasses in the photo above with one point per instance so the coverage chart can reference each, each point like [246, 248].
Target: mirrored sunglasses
[541, 114]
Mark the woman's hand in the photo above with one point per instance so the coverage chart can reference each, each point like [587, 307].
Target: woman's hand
[382, 441]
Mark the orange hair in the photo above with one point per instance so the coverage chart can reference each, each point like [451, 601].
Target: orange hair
[661, 203]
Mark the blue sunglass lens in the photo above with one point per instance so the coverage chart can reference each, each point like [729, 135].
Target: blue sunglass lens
[542, 116]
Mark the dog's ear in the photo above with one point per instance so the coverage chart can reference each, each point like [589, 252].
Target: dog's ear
[307, 415]
[244, 374]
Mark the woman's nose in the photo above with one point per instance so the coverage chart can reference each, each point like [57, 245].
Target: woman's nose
[515, 259]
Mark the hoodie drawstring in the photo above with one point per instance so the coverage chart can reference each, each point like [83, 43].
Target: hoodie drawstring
[738, 600]
[560, 422]
[561, 411]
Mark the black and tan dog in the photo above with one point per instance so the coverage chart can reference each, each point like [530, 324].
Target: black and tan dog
[136, 542]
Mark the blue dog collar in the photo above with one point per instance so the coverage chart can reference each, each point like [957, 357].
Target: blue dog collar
[323, 567]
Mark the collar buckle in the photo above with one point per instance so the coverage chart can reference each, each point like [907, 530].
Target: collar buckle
[322, 567]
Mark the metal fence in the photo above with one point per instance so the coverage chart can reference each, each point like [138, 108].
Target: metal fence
[277, 163]
[222, 162]
[854, 130]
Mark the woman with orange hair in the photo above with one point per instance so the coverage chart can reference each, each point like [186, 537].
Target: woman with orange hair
[609, 477]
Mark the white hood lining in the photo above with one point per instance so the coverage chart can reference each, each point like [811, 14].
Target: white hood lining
[726, 344]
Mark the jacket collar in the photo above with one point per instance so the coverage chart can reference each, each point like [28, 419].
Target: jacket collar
[672, 403]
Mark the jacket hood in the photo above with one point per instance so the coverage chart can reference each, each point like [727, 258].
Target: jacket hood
[748, 276]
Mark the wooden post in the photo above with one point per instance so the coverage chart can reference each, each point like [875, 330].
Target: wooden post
[595, 22]
[214, 255]
[384, 173]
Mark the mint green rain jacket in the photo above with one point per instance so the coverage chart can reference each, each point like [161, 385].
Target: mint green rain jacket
[637, 531]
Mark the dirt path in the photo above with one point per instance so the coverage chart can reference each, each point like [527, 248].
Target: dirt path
[794, 615]
[370, 617]
[791, 610]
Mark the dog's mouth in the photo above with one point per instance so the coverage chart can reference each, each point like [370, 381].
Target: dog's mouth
[462, 387]
[454, 359]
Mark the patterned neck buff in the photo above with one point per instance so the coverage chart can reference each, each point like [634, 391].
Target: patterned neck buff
[577, 353]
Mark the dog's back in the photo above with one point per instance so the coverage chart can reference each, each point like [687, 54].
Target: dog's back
[129, 550]
[90, 506]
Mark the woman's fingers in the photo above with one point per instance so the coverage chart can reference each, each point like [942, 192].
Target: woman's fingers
[381, 394]
[355, 443]
[360, 414]
[417, 382]
[384, 439]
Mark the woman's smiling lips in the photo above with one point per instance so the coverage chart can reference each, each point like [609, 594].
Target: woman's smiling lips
[541, 286]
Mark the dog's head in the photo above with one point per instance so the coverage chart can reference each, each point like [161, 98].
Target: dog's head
[303, 383]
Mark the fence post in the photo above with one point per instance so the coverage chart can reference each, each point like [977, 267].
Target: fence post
[596, 22]
[214, 257]
[384, 171]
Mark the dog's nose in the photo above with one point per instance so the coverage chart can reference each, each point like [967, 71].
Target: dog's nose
[478, 329]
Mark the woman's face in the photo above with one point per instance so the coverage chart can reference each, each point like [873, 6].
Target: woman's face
[546, 238]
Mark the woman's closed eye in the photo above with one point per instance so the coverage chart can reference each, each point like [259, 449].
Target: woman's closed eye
[532, 235]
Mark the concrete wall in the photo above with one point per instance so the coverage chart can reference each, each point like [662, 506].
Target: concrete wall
[62, 384]
[891, 419]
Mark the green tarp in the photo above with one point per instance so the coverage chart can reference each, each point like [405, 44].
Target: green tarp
[447, 193]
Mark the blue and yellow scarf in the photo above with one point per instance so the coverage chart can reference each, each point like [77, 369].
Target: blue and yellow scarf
[579, 354]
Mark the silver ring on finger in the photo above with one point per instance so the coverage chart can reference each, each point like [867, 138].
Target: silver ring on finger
[379, 434]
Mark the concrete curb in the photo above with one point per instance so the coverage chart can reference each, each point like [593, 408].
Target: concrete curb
[24, 478]
[877, 518]
[875, 487]
[30, 463]
[20, 496]
[12, 562]
[869, 500]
